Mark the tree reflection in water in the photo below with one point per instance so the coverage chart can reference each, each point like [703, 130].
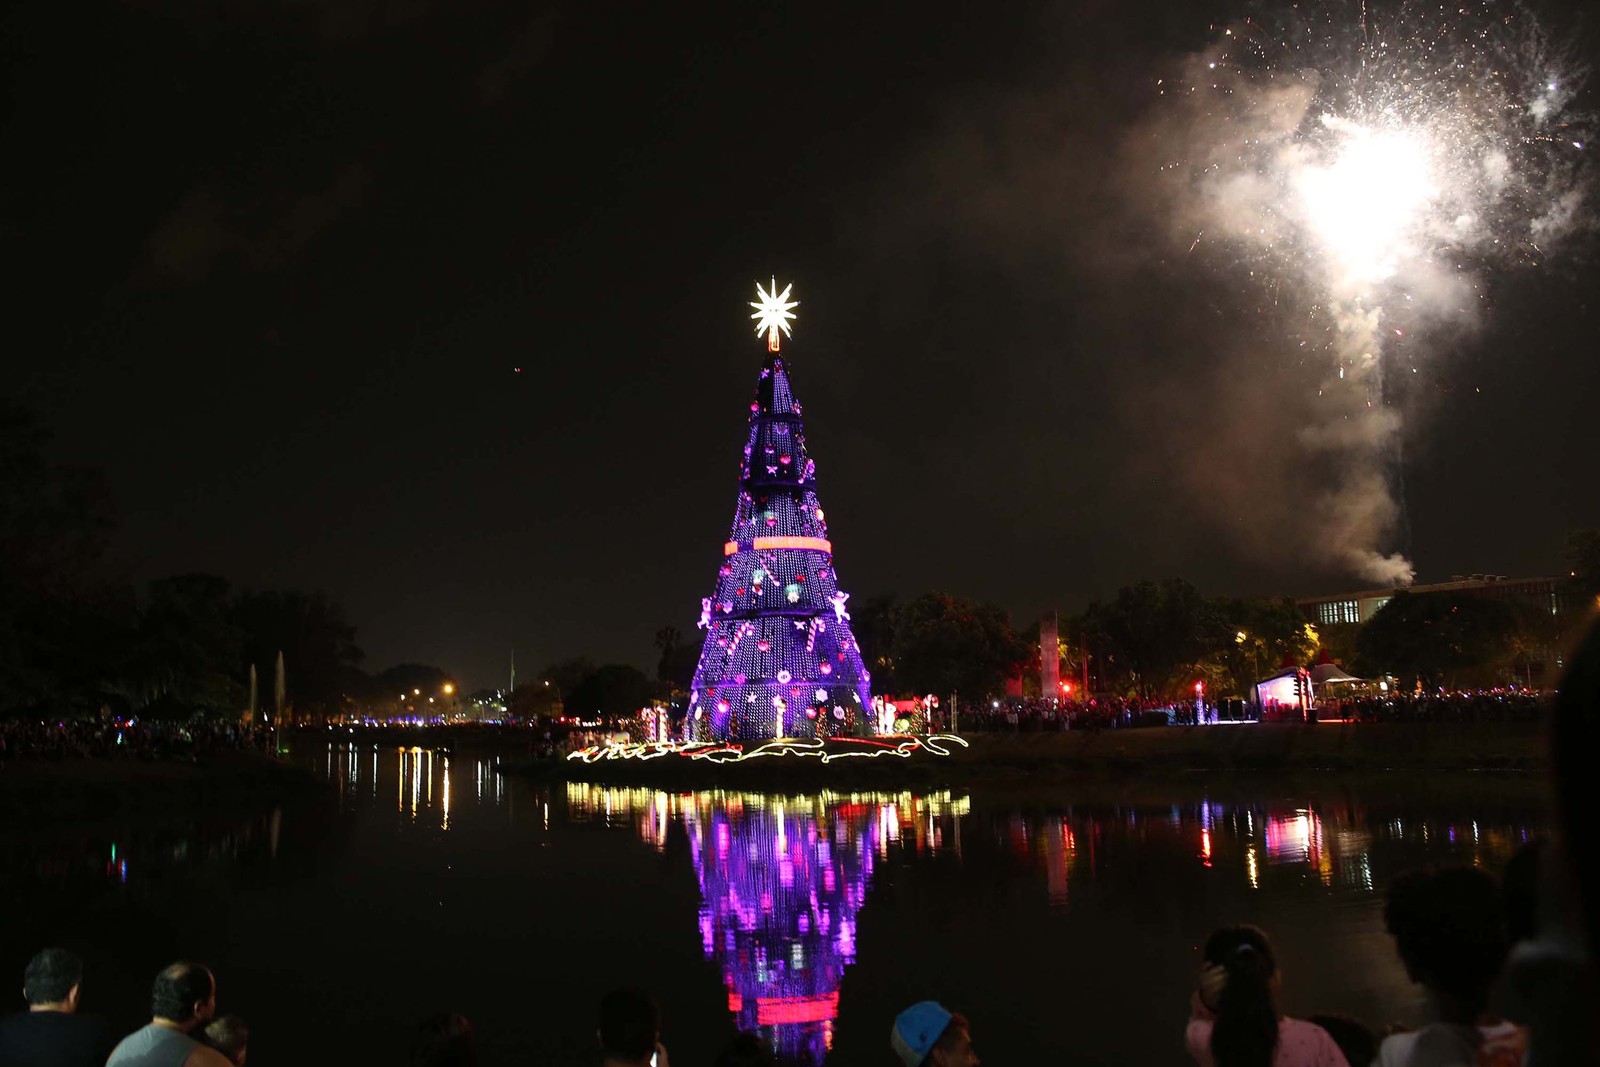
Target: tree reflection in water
[783, 879]
[781, 882]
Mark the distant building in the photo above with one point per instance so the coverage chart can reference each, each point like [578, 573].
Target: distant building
[1537, 664]
[1545, 595]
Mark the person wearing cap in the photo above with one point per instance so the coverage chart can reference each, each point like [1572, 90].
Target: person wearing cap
[928, 1035]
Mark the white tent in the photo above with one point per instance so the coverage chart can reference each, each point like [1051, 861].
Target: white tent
[1323, 673]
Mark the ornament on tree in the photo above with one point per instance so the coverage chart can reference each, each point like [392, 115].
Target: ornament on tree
[840, 614]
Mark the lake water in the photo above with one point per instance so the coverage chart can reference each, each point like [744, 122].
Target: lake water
[1064, 924]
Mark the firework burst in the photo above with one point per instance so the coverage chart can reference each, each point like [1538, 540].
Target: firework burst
[1382, 155]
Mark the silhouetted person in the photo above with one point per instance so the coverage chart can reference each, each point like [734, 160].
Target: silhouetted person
[746, 1050]
[1519, 890]
[182, 1001]
[1550, 977]
[444, 1040]
[51, 1033]
[1449, 929]
[630, 1030]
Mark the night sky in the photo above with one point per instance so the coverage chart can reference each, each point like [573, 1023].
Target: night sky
[275, 268]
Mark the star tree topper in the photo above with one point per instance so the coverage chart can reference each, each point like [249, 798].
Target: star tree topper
[772, 312]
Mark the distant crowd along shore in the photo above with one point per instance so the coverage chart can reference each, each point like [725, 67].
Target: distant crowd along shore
[77, 739]
[193, 739]
[1035, 714]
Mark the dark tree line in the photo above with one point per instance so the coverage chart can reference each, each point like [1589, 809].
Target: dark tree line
[581, 688]
[75, 637]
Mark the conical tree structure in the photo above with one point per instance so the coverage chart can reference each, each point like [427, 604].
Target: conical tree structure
[779, 659]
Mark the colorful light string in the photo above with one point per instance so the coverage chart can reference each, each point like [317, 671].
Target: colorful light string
[825, 750]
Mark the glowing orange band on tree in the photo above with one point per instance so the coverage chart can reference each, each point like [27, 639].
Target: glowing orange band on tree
[817, 543]
[764, 544]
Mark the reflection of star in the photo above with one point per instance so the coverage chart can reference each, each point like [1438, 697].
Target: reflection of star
[772, 309]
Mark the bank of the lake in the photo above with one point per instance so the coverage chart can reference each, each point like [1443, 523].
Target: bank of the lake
[1009, 758]
[94, 788]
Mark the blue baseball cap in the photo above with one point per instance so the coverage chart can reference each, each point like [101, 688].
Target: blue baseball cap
[916, 1030]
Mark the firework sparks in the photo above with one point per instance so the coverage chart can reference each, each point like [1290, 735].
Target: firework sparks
[1383, 155]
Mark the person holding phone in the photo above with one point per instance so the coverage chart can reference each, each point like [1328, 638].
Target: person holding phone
[1234, 1019]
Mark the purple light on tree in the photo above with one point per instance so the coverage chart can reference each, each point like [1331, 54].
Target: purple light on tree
[779, 658]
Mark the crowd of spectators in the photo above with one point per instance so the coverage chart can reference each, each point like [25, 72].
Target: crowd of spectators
[1483, 705]
[140, 739]
[192, 739]
[187, 1030]
[1035, 715]
[1506, 982]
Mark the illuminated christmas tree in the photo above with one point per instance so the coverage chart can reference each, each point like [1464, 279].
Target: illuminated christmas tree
[779, 659]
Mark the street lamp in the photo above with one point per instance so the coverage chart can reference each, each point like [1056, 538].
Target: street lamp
[1255, 650]
[1255, 663]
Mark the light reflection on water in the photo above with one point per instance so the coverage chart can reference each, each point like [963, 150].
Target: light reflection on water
[787, 884]
[423, 779]
[782, 880]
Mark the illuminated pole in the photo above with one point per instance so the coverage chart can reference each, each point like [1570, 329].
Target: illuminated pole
[1083, 657]
[279, 691]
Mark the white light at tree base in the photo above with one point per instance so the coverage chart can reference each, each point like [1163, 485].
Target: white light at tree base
[836, 748]
[773, 312]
